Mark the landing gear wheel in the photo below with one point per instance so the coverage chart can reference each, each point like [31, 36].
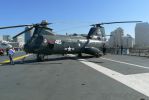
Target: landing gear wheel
[80, 55]
[97, 55]
[40, 57]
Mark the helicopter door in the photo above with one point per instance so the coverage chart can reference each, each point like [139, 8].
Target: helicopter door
[70, 46]
[51, 44]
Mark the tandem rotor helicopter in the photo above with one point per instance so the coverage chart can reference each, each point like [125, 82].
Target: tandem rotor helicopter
[44, 42]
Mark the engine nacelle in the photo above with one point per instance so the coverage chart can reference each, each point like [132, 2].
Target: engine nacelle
[92, 51]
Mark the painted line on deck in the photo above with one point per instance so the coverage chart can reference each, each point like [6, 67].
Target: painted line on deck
[132, 82]
[15, 59]
[140, 66]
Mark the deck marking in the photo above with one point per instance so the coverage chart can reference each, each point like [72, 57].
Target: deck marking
[15, 59]
[132, 82]
[140, 66]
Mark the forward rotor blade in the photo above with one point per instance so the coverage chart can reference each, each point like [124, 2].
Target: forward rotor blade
[23, 32]
[46, 28]
[14, 26]
[46, 23]
[24, 25]
[41, 24]
[120, 22]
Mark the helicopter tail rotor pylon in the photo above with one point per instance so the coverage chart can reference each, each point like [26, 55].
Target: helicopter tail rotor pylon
[96, 27]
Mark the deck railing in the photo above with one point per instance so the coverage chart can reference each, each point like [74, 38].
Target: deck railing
[130, 51]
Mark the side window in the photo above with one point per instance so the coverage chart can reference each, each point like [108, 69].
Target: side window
[51, 46]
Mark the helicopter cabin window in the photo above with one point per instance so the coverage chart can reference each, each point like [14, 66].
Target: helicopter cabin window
[51, 46]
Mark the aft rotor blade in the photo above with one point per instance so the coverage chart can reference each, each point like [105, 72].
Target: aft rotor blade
[120, 22]
[23, 32]
[14, 26]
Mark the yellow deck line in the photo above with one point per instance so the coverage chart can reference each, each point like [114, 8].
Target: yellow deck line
[15, 59]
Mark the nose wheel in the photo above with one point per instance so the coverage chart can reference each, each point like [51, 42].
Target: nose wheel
[40, 57]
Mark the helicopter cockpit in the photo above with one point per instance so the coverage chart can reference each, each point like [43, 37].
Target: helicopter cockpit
[96, 32]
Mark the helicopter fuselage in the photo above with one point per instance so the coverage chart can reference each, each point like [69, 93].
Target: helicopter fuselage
[61, 44]
[43, 41]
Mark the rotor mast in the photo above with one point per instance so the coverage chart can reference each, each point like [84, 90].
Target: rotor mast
[44, 24]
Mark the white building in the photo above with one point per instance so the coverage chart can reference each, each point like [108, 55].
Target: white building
[142, 35]
[28, 34]
[19, 41]
[6, 37]
[128, 41]
[1, 38]
[116, 38]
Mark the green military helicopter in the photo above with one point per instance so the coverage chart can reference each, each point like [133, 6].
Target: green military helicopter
[44, 42]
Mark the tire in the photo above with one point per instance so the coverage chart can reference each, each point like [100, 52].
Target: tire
[40, 57]
[97, 55]
[80, 55]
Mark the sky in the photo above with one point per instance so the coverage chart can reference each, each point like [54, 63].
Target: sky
[73, 16]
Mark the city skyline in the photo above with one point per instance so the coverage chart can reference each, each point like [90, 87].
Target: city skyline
[23, 35]
[72, 16]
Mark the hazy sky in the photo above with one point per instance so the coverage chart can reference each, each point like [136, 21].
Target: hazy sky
[73, 16]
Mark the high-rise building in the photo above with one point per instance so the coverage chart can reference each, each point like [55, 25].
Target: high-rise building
[19, 40]
[116, 38]
[1, 38]
[6, 37]
[128, 41]
[28, 34]
[142, 35]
